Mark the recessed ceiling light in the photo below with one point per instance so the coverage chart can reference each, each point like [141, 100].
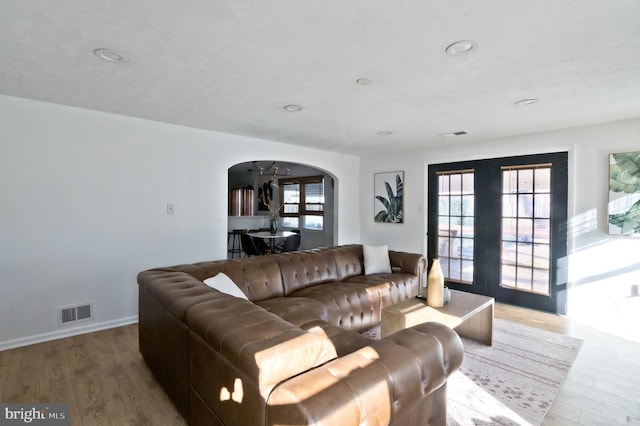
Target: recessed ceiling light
[385, 132]
[525, 102]
[461, 47]
[292, 108]
[110, 55]
[363, 81]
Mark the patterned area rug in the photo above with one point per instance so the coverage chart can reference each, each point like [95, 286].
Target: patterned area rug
[512, 382]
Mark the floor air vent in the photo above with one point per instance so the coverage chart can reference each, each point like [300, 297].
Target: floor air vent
[71, 314]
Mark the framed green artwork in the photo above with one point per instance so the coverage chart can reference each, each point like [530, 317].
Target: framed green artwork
[624, 194]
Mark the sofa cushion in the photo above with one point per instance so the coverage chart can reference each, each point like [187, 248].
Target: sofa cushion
[344, 341]
[376, 259]
[266, 347]
[224, 284]
[296, 310]
[304, 269]
[175, 291]
[349, 260]
[259, 277]
[352, 306]
[401, 286]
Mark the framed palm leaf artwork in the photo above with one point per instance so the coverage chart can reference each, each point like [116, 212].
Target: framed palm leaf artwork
[388, 199]
[624, 194]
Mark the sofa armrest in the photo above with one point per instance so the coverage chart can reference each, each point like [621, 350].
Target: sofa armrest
[265, 347]
[409, 263]
[374, 384]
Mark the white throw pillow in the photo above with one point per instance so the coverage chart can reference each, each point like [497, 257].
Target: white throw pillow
[224, 284]
[376, 260]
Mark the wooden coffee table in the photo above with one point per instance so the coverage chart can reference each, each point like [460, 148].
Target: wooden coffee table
[470, 315]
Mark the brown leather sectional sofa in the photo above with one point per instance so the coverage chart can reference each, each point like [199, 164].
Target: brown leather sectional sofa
[293, 354]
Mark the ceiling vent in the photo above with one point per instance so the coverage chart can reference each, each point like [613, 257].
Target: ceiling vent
[448, 135]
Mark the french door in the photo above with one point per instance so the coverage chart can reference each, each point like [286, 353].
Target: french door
[499, 227]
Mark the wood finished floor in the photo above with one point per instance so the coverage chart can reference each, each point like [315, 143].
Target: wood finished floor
[105, 381]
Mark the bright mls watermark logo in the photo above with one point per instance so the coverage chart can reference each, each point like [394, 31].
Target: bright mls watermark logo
[36, 414]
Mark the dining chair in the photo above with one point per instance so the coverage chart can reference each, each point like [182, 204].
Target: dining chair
[250, 247]
[291, 243]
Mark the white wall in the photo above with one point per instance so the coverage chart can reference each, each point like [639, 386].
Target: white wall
[84, 208]
[602, 269]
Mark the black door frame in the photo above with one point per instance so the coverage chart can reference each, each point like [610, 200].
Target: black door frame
[488, 211]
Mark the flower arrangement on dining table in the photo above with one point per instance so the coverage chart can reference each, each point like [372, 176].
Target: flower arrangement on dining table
[266, 198]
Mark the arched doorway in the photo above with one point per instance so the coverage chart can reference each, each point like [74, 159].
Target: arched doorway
[303, 196]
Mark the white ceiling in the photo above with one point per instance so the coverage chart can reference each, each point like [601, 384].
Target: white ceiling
[231, 66]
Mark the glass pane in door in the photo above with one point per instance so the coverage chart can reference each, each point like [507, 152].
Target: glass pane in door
[456, 225]
[525, 234]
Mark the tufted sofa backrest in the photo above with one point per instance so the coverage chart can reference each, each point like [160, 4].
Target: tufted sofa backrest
[349, 260]
[303, 269]
[266, 277]
[258, 276]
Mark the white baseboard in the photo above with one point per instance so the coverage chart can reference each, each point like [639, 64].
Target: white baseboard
[67, 332]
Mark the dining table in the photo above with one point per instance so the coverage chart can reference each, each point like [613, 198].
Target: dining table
[270, 238]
